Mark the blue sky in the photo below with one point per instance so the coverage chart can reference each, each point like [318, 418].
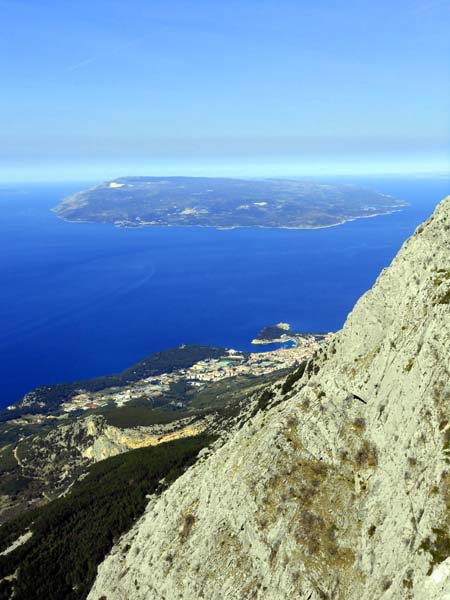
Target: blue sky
[94, 90]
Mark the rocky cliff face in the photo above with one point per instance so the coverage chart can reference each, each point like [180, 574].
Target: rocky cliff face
[339, 489]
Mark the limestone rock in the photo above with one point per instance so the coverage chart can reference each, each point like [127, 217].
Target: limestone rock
[339, 489]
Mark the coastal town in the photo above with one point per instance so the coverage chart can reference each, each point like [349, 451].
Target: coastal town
[232, 364]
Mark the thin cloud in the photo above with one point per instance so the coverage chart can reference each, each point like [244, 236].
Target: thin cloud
[82, 64]
[117, 50]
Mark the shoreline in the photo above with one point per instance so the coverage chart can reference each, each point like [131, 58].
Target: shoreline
[230, 227]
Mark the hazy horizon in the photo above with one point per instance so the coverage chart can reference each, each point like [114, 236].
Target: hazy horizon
[90, 177]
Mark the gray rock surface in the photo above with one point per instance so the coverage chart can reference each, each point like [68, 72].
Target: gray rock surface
[338, 489]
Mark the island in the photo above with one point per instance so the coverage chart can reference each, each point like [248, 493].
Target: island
[224, 203]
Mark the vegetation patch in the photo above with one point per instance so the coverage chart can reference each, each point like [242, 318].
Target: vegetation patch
[438, 547]
[135, 416]
[188, 524]
[444, 275]
[409, 365]
[366, 456]
[445, 299]
[359, 424]
[408, 579]
[293, 378]
[264, 399]
[7, 459]
[438, 544]
[229, 392]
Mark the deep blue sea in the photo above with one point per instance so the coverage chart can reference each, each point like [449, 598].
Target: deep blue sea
[79, 300]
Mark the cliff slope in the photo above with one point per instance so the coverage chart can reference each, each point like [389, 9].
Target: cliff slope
[338, 489]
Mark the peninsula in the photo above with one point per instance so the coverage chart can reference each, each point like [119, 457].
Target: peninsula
[224, 203]
[282, 333]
